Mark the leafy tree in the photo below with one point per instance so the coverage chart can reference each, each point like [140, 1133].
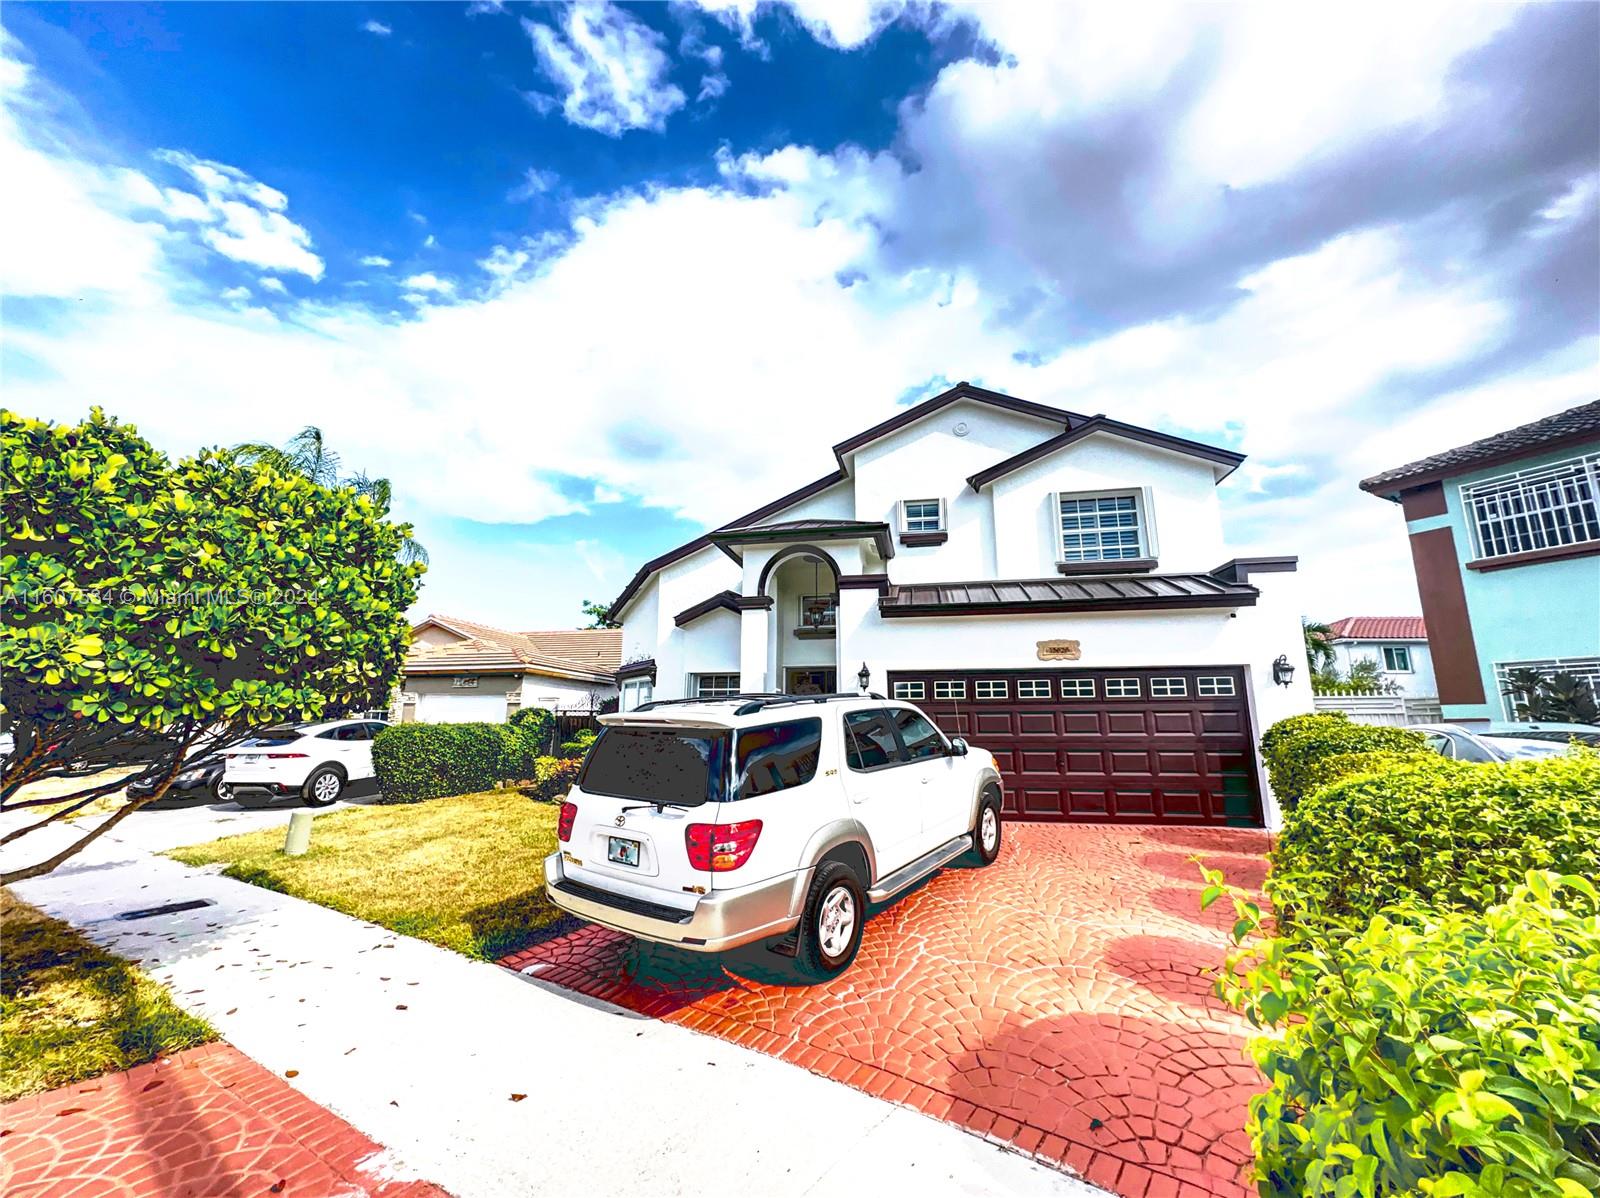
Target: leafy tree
[598, 615]
[307, 453]
[154, 610]
[1319, 647]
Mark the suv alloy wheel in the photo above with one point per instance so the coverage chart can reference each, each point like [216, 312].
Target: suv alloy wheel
[835, 918]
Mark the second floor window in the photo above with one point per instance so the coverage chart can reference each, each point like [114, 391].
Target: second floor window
[922, 515]
[818, 611]
[1397, 659]
[1101, 527]
[1544, 508]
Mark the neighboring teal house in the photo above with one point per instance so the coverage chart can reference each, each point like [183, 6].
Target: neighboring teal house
[1505, 537]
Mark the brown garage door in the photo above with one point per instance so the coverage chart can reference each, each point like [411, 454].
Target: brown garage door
[1168, 746]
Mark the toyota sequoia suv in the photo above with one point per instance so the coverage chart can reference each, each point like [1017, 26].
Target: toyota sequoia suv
[714, 823]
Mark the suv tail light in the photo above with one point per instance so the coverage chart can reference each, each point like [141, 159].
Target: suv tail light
[277, 756]
[721, 847]
[569, 812]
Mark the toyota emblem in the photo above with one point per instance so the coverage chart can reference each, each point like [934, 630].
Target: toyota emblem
[622, 818]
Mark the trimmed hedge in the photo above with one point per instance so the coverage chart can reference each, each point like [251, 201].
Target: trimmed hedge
[1292, 748]
[579, 744]
[1433, 1053]
[414, 762]
[1434, 831]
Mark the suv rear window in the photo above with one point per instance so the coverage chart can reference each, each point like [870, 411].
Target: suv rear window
[776, 757]
[683, 767]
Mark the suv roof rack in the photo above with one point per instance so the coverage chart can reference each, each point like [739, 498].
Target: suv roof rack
[752, 702]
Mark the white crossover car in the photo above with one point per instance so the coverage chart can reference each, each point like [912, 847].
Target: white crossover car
[714, 823]
[314, 761]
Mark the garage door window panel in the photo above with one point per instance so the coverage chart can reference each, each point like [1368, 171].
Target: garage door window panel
[1033, 688]
[910, 691]
[1169, 688]
[1077, 688]
[1124, 688]
[948, 689]
[1214, 686]
[990, 688]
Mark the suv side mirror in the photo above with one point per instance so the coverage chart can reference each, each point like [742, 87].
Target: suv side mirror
[958, 747]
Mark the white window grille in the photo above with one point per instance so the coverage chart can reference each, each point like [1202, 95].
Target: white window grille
[908, 690]
[1544, 508]
[1101, 528]
[1168, 688]
[1122, 688]
[950, 689]
[990, 688]
[1586, 668]
[1212, 685]
[713, 686]
[922, 515]
[1033, 688]
[1077, 688]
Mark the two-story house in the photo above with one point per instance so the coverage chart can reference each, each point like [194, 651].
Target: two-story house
[1396, 645]
[1505, 538]
[1052, 586]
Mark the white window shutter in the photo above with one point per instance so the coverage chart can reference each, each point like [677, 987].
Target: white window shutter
[1148, 516]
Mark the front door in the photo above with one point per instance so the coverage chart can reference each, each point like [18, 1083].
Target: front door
[810, 680]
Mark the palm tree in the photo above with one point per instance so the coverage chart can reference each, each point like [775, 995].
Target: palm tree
[307, 453]
[1319, 646]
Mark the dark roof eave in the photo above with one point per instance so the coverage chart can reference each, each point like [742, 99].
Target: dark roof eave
[962, 390]
[890, 610]
[724, 600]
[1104, 424]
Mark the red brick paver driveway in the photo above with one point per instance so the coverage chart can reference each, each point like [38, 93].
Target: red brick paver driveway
[1057, 1001]
[207, 1123]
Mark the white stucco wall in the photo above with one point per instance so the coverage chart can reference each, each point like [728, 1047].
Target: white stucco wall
[1179, 495]
[563, 694]
[927, 460]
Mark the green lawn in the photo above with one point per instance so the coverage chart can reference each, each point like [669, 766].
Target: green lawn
[70, 1011]
[463, 872]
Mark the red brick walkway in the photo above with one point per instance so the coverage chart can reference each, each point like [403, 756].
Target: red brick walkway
[207, 1123]
[1056, 1001]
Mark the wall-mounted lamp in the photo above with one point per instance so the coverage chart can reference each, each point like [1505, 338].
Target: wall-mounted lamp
[864, 677]
[1282, 671]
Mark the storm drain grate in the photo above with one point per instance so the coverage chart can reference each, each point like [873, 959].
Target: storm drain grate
[164, 909]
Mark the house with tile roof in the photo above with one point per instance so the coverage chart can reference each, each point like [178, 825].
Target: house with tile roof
[1055, 587]
[1505, 539]
[460, 670]
[1397, 645]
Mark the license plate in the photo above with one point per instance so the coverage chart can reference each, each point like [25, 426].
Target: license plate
[249, 758]
[621, 851]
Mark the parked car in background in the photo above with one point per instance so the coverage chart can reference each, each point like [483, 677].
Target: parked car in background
[714, 823]
[199, 778]
[1506, 742]
[315, 761]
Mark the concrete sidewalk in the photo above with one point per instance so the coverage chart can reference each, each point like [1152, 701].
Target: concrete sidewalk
[487, 1083]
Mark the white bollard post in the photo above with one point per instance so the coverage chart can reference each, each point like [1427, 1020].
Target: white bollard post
[299, 838]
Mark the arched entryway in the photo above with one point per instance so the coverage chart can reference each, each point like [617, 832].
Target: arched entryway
[803, 582]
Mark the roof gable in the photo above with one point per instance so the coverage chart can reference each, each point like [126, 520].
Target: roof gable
[1225, 461]
[589, 653]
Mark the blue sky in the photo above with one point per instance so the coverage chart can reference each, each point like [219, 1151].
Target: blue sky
[583, 280]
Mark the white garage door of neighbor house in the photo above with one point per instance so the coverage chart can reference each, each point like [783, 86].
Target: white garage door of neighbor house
[461, 709]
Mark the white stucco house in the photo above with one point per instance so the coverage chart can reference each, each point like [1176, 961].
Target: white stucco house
[459, 671]
[1055, 587]
[1397, 645]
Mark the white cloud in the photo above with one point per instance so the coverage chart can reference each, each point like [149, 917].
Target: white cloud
[842, 24]
[376, 260]
[712, 87]
[609, 67]
[378, 28]
[237, 294]
[239, 217]
[271, 284]
[428, 281]
[535, 182]
[659, 315]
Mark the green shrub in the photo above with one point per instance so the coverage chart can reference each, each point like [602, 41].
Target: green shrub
[579, 744]
[552, 777]
[530, 731]
[1292, 747]
[429, 761]
[1436, 832]
[1336, 767]
[1433, 1053]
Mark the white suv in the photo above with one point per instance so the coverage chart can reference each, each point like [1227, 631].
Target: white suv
[315, 761]
[710, 824]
